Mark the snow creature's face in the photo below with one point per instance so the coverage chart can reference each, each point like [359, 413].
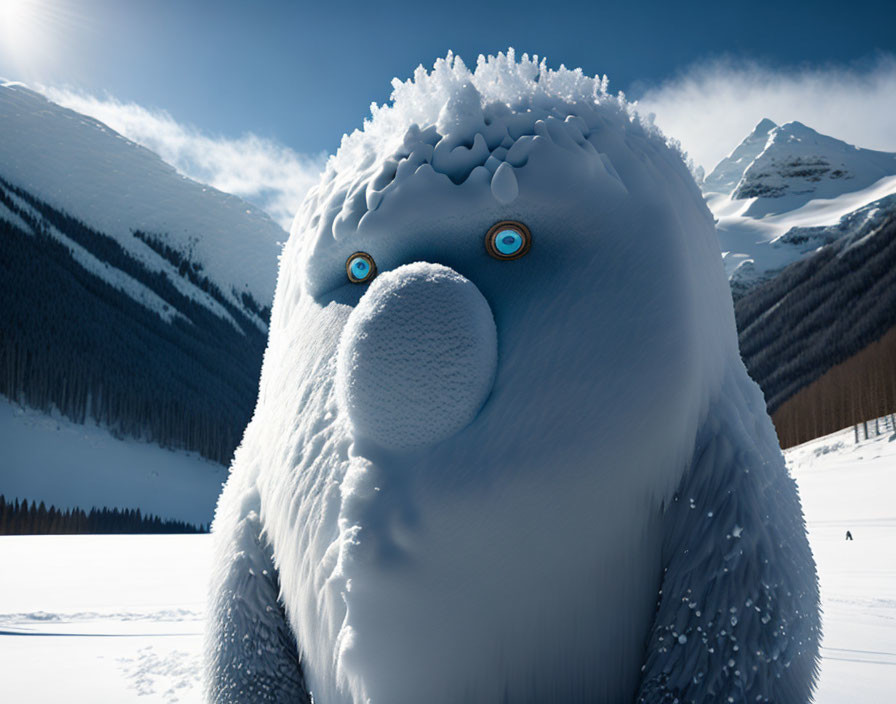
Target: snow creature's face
[472, 445]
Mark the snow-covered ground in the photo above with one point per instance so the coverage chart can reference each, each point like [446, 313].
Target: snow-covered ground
[848, 486]
[66, 464]
[101, 618]
[119, 618]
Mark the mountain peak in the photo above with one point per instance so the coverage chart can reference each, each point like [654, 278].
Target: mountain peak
[797, 126]
[764, 126]
[795, 131]
[799, 164]
[729, 171]
[788, 189]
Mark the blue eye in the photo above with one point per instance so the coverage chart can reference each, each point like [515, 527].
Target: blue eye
[360, 268]
[508, 240]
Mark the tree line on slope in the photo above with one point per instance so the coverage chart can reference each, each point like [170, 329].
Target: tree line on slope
[849, 393]
[36, 519]
[193, 272]
[816, 314]
[70, 341]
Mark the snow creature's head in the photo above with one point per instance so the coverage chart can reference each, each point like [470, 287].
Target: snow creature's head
[497, 318]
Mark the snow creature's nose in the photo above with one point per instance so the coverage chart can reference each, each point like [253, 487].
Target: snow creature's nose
[417, 357]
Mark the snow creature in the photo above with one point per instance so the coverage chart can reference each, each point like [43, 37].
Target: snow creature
[505, 449]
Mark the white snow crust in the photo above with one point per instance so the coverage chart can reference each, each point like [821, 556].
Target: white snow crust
[102, 619]
[520, 558]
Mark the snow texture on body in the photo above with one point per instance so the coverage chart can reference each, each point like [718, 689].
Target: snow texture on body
[515, 539]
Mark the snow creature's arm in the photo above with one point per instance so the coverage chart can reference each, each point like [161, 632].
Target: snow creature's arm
[250, 652]
[737, 617]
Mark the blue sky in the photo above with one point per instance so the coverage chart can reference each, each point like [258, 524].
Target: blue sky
[300, 74]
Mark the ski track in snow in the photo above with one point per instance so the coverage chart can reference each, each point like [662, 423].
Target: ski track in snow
[120, 617]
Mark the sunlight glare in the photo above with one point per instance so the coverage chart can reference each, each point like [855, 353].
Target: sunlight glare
[27, 29]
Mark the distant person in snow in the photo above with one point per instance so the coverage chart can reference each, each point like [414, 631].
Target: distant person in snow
[848, 535]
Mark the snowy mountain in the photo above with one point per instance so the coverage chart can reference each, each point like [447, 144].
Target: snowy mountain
[729, 171]
[131, 295]
[82, 167]
[807, 227]
[820, 313]
[784, 178]
[798, 165]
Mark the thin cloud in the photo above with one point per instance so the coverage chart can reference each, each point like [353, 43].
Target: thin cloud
[711, 107]
[264, 172]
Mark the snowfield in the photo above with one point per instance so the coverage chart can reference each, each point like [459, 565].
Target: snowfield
[102, 618]
[70, 465]
[119, 618]
[847, 486]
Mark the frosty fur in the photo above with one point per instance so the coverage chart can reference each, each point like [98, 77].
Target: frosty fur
[251, 652]
[546, 551]
[737, 618]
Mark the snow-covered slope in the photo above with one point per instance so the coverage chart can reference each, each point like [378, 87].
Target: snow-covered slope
[131, 295]
[845, 485]
[119, 618]
[820, 311]
[81, 166]
[798, 165]
[785, 177]
[729, 171]
[72, 465]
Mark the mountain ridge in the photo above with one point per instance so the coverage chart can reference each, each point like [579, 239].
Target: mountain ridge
[79, 165]
[133, 296]
[729, 171]
[820, 312]
[799, 164]
[780, 180]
